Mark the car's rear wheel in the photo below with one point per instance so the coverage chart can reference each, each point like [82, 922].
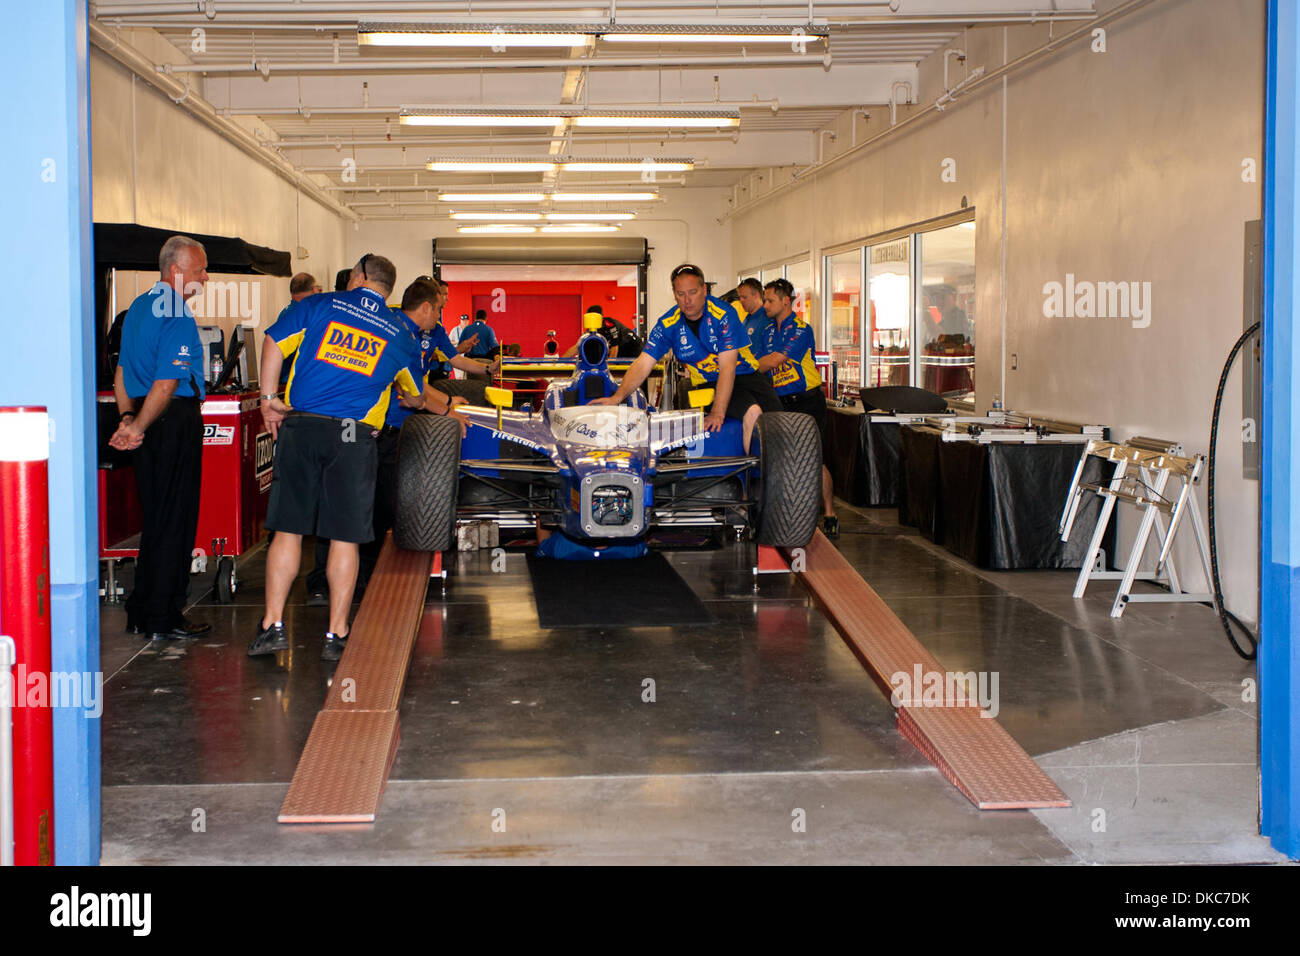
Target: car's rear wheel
[428, 473]
[789, 487]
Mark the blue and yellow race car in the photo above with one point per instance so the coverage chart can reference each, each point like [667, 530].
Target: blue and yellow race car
[605, 474]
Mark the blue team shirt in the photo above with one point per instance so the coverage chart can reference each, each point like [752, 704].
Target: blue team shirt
[756, 325]
[161, 341]
[793, 338]
[287, 367]
[720, 331]
[487, 339]
[435, 349]
[351, 349]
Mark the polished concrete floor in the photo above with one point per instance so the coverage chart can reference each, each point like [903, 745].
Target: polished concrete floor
[521, 744]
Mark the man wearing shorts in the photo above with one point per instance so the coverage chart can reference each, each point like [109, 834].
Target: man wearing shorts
[707, 337]
[351, 349]
[788, 355]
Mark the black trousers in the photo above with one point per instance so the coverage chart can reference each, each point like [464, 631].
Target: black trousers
[168, 468]
[385, 515]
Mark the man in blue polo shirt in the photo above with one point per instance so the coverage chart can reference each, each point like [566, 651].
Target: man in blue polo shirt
[159, 390]
[486, 345]
[788, 354]
[350, 349]
[706, 336]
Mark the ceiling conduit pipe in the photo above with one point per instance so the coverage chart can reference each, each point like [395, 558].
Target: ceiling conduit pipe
[202, 110]
[893, 99]
[983, 78]
[866, 117]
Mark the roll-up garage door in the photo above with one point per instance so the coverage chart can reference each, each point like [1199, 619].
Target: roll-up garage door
[548, 250]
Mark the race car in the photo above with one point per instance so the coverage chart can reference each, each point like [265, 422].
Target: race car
[603, 474]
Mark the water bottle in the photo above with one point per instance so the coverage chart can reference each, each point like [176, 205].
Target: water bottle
[217, 368]
[997, 403]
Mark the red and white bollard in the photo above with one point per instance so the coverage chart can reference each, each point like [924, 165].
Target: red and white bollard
[25, 616]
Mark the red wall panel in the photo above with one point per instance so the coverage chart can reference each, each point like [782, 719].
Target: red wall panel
[523, 311]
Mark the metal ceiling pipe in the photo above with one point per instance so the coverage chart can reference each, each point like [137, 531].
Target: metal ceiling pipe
[853, 124]
[340, 143]
[707, 105]
[347, 11]
[1004, 70]
[265, 66]
[893, 99]
[204, 111]
[514, 187]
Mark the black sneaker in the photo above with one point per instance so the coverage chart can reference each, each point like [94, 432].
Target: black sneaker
[269, 640]
[831, 527]
[334, 646]
[318, 599]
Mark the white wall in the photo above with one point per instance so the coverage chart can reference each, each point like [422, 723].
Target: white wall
[1122, 165]
[176, 173]
[683, 228]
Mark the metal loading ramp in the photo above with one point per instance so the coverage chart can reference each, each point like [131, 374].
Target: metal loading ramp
[972, 751]
[349, 753]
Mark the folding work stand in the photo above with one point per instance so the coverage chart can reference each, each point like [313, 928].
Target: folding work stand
[1143, 469]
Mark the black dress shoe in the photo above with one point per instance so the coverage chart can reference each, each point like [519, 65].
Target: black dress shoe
[269, 640]
[181, 631]
[132, 627]
[318, 599]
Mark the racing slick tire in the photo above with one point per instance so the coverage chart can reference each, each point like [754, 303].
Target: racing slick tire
[790, 482]
[428, 473]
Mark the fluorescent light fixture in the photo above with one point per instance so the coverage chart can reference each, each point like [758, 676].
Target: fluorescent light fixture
[604, 197]
[755, 31]
[498, 216]
[498, 35]
[580, 227]
[966, 225]
[488, 165]
[492, 197]
[649, 164]
[626, 120]
[590, 216]
[499, 229]
[548, 117]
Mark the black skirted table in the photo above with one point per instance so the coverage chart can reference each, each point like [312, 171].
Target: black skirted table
[997, 505]
[862, 455]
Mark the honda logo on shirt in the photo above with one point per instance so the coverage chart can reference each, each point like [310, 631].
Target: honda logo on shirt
[185, 350]
[370, 304]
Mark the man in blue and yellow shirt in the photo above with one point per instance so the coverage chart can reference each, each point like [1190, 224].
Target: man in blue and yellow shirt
[750, 296]
[351, 349]
[706, 336]
[788, 355]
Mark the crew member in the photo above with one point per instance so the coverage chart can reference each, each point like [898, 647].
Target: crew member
[750, 295]
[788, 356]
[622, 341]
[421, 309]
[300, 286]
[351, 349]
[706, 336]
[159, 389]
[485, 340]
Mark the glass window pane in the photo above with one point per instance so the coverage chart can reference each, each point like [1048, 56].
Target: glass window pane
[890, 323]
[800, 276]
[945, 322]
[844, 305]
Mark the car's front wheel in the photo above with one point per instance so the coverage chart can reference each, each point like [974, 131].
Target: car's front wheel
[428, 474]
[790, 483]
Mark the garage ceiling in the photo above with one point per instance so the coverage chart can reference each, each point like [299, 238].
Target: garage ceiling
[295, 74]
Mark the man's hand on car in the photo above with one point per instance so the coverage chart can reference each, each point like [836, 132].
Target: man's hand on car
[713, 421]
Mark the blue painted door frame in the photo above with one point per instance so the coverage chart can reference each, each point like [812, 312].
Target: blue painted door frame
[48, 356]
[1279, 662]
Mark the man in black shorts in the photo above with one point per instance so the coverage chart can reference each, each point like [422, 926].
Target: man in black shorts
[707, 337]
[788, 354]
[351, 349]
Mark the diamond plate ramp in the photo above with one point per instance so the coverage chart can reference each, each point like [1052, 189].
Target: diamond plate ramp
[344, 767]
[372, 672]
[974, 753]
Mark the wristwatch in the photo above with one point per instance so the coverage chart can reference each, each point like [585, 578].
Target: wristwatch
[270, 398]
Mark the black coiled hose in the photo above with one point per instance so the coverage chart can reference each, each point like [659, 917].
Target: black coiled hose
[1226, 617]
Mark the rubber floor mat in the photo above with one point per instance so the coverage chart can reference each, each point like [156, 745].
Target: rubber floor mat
[638, 592]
